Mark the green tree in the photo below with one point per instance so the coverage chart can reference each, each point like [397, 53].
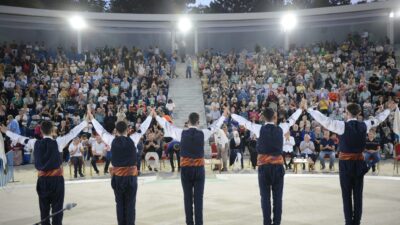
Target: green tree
[149, 6]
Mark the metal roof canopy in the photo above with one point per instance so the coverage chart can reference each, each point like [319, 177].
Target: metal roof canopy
[39, 19]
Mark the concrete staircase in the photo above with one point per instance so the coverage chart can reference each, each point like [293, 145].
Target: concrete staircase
[187, 95]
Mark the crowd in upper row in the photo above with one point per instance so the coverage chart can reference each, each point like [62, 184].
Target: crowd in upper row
[329, 75]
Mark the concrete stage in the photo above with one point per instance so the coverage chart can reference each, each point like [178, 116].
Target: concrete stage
[229, 199]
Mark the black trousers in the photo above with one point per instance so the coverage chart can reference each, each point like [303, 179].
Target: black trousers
[253, 157]
[51, 196]
[77, 162]
[171, 158]
[291, 154]
[270, 178]
[125, 189]
[94, 160]
[193, 179]
[351, 174]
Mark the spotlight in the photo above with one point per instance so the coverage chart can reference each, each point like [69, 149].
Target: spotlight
[77, 23]
[391, 14]
[184, 24]
[288, 22]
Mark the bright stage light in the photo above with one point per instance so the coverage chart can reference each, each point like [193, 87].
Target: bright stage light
[288, 22]
[77, 23]
[184, 24]
[391, 14]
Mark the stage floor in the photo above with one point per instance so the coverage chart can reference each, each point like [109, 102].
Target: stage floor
[229, 199]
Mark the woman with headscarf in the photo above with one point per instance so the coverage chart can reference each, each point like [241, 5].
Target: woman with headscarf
[235, 146]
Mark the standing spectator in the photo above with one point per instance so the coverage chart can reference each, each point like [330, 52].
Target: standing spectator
[188, 67]
[151, 156]
[222, 142]
[12, 125]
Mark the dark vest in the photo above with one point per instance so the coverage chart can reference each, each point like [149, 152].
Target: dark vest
[270, 140]
[192, 143]
[354, 137]
[123, 152]
[47, 156]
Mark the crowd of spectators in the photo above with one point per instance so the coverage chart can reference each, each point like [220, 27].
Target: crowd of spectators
[38, 83]
[329, 75]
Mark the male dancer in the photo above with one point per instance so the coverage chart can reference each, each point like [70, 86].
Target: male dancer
[124, 161]
[50, 184]
[352, 167]
[192, 161]
[269, 160]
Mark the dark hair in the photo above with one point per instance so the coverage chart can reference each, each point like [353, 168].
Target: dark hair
[269, 114]
[354, 109]
[121, 127]
[46, 127]
[194, 118]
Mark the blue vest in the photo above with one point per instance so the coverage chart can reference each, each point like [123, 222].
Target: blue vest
[47, 156]
[192, 143]
[123, 152]
[354, 137]
[270, 140]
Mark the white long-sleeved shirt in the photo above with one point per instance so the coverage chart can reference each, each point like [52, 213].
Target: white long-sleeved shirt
[108, 138]
[288, 144]
[337, 126]
[61, 141]
[255, 128]
[176, 133]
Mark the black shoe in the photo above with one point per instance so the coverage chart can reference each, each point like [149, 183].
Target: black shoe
[150, 169]
[155, 170]
[322, 168]
[81, 175]
[373, 169]
[75, 176]
[173, 170]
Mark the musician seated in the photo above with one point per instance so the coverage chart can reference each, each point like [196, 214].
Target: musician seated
[371, 153]
[99, 151]
[76, 152]
[151, 155]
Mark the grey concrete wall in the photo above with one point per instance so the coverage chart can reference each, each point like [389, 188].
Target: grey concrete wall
[219, 41]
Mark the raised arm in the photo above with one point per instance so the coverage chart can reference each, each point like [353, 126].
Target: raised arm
[374, 122]
[169, 129]
[64, 140]
[107, 137]
[253, 127]
[291, 121]
[336, 126]
[213, 127]
[143, 128]
[30, 142]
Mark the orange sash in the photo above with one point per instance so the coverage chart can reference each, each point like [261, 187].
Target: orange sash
[185, 161]
[124, 171]
[351, 156]
[51, 173]
[265, 159]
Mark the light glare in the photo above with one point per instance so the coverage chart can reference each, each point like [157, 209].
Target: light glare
[288, 22]
[391, 14]
[77, 23]
[184, 24]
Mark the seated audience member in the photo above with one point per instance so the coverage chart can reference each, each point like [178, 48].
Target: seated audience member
[151, 156]
[307, 149]
[75, 151]
[327, 148]
[99, 151]
[371, 153]
[288, 145]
